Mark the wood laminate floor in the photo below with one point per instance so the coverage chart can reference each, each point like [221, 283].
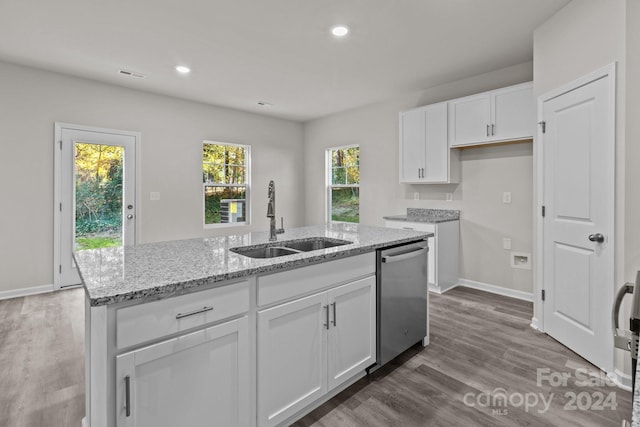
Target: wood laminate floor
[480, 369]
[481, 347]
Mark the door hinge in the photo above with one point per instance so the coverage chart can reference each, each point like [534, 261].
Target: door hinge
[543, 295]
[544, 126]
[543, 211]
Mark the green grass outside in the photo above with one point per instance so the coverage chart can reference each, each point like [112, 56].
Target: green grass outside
[83, 243]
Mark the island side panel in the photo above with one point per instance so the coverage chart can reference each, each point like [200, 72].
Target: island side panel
[99, 364]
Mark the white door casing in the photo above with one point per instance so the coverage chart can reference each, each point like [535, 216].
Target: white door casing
[578, 183]
[66, 135]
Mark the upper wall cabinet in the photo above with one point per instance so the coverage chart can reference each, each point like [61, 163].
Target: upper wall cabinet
[424, 151]
[505, 114]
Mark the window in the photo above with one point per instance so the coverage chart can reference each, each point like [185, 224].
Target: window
[225, 174]
[343, 178]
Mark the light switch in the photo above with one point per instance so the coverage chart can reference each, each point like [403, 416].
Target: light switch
[506, 243]
[449, 197]
[506, 197]
[154, 195]
[416, 196]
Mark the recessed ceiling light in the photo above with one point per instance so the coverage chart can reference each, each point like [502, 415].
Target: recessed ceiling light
[340, 31]
[182, 69]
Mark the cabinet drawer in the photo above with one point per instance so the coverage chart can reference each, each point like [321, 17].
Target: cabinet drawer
[145, 322]
[407, 225]
[303, 281]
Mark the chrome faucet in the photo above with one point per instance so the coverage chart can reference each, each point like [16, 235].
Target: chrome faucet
[271, 213]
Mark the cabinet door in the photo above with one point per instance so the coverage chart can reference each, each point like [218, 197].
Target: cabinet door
[197, 379]
[412, 137]
[469, 120]
[436, 145]
[292, 344]
[514, 111]
[352, 333]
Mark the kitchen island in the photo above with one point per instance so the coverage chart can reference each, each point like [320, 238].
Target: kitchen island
[191, 333]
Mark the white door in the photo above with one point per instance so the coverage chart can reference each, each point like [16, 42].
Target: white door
[469, 119]
[352, 334]
[514, 113]
[95, 193]
[292, 360]
[412, 134]
[578, 155]
[436, 145]
[197, 379]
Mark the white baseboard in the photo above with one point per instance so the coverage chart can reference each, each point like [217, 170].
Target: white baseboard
[535, 324]
[512, 293]
[34, 290]
[437, 289]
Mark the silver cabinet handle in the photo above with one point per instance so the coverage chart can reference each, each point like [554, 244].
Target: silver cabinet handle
[422, 172]
[334, 314]
[326, 308]
[493, 129]
[487, 130]
[191, 313]
[127, 396]
[418, 172]
[130, 216]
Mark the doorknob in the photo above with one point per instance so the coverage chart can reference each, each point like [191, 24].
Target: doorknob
[598, 237]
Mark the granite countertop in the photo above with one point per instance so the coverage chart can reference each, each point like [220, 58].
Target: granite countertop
[113, 275]
[431, 216]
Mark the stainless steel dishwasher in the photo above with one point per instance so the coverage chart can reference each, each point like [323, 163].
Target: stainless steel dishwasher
[402, 299]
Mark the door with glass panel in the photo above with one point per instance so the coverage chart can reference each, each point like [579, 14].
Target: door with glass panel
[95, 194]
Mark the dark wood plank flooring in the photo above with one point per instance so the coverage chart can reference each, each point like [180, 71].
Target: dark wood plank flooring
[481, 346]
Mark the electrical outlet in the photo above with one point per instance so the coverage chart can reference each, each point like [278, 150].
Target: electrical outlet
[449, 197]
[416, 196]
[521, 260]
[154, 195]
[506, 197]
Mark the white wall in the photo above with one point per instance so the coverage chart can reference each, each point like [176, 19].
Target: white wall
[486, 173]
[580, 38]
[172, 133]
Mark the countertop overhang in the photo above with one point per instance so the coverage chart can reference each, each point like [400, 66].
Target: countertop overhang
[114, 275]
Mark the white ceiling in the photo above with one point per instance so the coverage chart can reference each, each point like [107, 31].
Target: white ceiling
[278, 51]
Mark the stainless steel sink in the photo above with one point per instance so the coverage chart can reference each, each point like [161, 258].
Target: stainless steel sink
[313, 244]
[264, 252]
[290, 247]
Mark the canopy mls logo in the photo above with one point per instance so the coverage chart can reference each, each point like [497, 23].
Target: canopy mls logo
[499, 401]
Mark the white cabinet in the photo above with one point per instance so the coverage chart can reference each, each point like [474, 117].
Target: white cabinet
[505, 114]
[443, 251]
[352, 330]
[308, 346]
[196, 379]
[424, 149]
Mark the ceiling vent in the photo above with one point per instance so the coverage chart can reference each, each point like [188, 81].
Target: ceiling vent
[132, 74]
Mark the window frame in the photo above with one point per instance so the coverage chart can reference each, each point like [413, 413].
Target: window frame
[246, 185]
[329, 186]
